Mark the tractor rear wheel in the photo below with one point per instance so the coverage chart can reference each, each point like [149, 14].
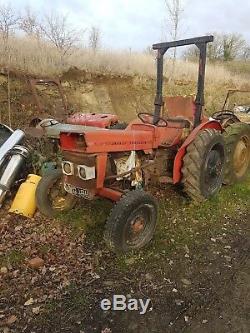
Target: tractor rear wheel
[51, 198]
[131, 223]
[203, 165]
[237, 149]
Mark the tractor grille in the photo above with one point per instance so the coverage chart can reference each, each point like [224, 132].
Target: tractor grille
[89, 160]
[80, 158]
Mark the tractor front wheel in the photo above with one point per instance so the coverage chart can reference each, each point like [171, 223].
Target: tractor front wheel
[203, 165]
[51, 198]
[132, 222]
[237, 141]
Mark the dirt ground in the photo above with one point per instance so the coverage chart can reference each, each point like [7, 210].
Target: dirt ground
[196, 270]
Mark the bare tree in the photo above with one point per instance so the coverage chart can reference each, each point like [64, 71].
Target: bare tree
[214, 50]
[29, 23]
[233, 46]
[8, 22]
[246, 53]
[191, 53]
[175, 10]
[95, 38]
[225, 47]
[59, 32]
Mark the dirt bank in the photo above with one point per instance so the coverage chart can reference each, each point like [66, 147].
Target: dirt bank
[86, 92]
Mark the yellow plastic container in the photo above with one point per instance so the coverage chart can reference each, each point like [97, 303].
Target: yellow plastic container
[25, 200]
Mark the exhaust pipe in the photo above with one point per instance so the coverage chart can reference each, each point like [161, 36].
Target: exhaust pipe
[18, 156]
[9, 144]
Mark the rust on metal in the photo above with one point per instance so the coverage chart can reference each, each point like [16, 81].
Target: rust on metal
[231, 92]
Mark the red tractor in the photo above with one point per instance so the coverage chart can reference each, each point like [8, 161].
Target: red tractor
[176, 144]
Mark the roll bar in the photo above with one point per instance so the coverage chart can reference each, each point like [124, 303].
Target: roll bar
[201, 43]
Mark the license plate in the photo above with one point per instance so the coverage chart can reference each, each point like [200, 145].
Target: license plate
[77, 191]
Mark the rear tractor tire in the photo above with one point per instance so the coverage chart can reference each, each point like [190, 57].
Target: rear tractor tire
[203, 165]
[237, 149]
[132, 222]
[51, 198]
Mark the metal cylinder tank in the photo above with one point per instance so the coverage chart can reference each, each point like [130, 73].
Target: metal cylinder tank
[18, 155]
[9, 144]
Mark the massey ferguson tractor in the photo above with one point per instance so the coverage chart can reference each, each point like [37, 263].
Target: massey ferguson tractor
[175, 144]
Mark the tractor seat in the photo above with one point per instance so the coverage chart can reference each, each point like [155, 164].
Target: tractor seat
[179, 109]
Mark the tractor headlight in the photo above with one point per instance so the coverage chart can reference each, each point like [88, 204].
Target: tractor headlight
[85, 172]
[82, 172]
[68, 168]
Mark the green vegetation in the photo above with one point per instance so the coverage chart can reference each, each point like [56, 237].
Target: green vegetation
[181, 222]
[87, 217]
[188, 236]
[12, 257]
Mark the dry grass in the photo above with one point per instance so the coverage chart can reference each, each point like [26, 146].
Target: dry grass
[39, 58]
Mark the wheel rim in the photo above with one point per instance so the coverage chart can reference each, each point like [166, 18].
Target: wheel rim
[213, 170]
[241, 156]
[58, 197]
[138, 226]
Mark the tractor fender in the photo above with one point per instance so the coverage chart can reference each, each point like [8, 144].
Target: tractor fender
[213, 124]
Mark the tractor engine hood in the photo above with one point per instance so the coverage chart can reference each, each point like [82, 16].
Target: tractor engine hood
[102, 120]
[97, 140]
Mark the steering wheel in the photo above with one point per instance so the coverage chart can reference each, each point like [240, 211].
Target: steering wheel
[148, 118]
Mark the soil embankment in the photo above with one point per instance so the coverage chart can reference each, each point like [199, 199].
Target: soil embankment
[86, 92]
